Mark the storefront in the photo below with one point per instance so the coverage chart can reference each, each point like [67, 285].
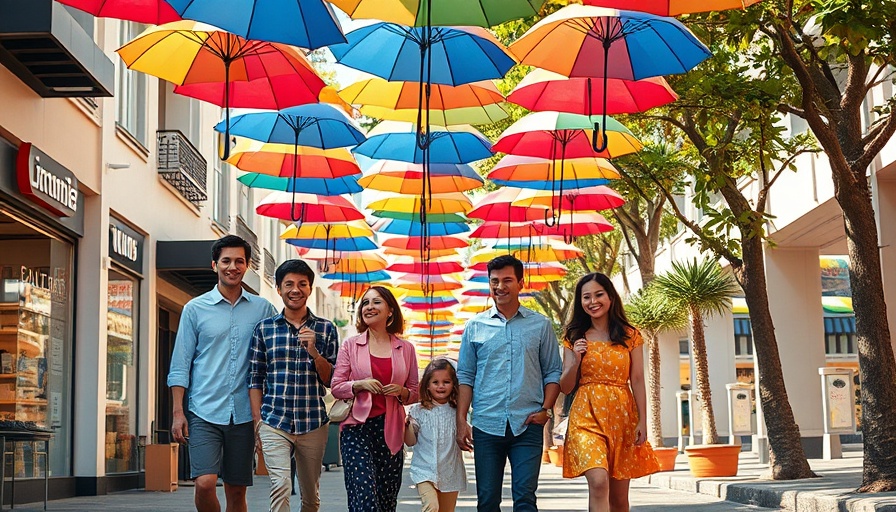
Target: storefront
[41, 221]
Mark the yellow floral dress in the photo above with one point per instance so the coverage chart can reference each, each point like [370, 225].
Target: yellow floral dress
[603, 416]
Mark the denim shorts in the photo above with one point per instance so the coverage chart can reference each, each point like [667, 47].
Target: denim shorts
[225, 450]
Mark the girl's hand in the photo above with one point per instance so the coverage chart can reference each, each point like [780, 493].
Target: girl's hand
[641, 433]
[579, 347]
[371, 385]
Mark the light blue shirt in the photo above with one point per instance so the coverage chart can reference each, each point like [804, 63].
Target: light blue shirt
[508, 363]
[211, 355]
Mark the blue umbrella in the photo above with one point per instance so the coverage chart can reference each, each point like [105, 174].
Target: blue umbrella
[436, 55]
[444, 147]
[335, 244]
[307, 23]
[317, 186]
[317, 125]
[423, 331]
[367, 277]
[415, 228]
[548, 185]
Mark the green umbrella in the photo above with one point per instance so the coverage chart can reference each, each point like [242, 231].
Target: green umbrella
[419, 13]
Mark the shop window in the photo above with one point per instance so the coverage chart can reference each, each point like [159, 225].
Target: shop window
[246, 207]
[36, 296]
[684, 347]
[131, 90]
[121, 374]
[743, 337]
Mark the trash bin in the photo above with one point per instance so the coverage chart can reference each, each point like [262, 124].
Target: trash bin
[331, 454]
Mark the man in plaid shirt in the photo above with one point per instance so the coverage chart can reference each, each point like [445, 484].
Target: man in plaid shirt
[290, 365]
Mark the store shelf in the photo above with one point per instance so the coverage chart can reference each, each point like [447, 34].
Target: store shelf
[36, 401]
[119, 336]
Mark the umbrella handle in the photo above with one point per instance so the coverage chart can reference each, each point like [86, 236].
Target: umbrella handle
[549, 220]
[595, 135]
[226, 110]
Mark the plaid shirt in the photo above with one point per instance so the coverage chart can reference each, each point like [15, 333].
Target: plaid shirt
[281, 367]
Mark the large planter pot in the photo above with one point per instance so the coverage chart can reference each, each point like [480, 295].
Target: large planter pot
[666, 458]
[556, 455]
[709, 460]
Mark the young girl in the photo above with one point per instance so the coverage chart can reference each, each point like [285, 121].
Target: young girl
[437, 467]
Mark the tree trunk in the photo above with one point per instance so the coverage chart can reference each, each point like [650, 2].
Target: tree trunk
[877, 367]
[701, 365]
[786, 456]
[654, 389]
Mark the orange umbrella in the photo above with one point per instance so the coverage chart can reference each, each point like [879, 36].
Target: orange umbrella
[673, 7]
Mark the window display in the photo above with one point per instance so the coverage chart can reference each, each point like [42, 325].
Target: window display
[121, 374]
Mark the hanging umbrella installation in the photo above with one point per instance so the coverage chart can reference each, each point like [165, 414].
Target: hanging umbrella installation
[284, 160]
[155, 12]
[481, 13]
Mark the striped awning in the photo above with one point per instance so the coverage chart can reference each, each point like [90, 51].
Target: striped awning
[840, 325]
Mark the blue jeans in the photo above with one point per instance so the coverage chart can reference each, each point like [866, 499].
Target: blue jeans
[491, 454]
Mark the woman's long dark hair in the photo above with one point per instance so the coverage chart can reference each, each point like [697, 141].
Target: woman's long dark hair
[579, 320]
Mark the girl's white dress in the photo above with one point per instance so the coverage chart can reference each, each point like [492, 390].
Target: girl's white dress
[437, 458]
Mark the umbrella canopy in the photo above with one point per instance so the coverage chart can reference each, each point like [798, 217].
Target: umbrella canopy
[572, 41]
[515, 168]
[367, 277]
[441, 146]
[360, 264]
[455, 202]
[543, 90]
[430, 217]
[334, 245]
[453, 56]
[415, 228]
[592, 198]
[308, 24]
[566, 226]
[673, 7]
[317, 125]
[498, 206]
[434, 243]
[433, 253]
[412, 180]
[558, 135]
[428, 268]
[475, 103]
[481, 13]
[155, 12]
[314, 230]
[308, 208]
[320, 186]
[436, 282]
[282, 159]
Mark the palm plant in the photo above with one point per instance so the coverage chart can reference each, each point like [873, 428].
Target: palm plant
[701, 288]
[653, 313]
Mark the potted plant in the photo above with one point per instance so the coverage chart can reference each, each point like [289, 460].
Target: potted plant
[701, 288]
[652, 314]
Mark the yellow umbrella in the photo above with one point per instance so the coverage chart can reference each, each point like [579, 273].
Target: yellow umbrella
[433, 253]
[360, 264]
[455, 202]
[475, 103]
[527, 168]
[318, 230]
[412, 182]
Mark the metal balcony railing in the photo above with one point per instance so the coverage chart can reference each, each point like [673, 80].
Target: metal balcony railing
[181, 165]
[245, 232]
[270, 266]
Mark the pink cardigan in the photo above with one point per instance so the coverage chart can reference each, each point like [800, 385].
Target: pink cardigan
[353, 363]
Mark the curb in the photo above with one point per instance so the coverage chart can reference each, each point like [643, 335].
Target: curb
[815, 495]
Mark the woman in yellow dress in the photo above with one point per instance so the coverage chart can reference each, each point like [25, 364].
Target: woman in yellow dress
[607, 433]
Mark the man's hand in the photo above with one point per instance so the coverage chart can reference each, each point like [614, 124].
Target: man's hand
[540, 417]
[307, 337]
[464, 436]
[372, 385]
[179, 428]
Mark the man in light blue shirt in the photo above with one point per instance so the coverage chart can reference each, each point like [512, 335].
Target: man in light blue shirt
[509, 369]
[210, 365]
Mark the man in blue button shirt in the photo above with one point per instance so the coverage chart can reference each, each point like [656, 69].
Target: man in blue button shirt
[290, 365]
[509, 369]
[210, 365]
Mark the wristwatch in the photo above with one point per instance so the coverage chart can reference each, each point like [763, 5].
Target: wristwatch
[549, 412]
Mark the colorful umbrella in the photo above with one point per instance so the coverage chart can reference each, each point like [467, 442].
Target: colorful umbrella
[285, 159]
[673, 7]
[155, 12]
[455, 202]
[440, 55]
[475, 103]
[584, 199]
[308, 208]
[307, 24]
[335, 245]
[498, 206]
[567, 227]
[433, 243]
[525, 169]
[360, 264]
[315, 230]
[441, 146]
[609, 43]
[412, 181]
[367, 277]
[436, 283]
[317, 125]
[415, 228]
[430, 217]
[543, 90]
[558, 135]
[481, 13]
[428, 268]
[187, 52]
[415, 252]
[320, 186]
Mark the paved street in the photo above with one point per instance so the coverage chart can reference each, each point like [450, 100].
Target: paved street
[555, 494]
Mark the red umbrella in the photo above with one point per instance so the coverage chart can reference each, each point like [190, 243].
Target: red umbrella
[586, 224]
[429, 268]
[434, 242]
[545, 90]
[575, 200]
[498, 206]
[155, 12]
[673, 7]
[299, 207]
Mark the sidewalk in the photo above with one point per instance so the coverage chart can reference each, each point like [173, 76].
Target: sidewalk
[555, 494]
[832, 492]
